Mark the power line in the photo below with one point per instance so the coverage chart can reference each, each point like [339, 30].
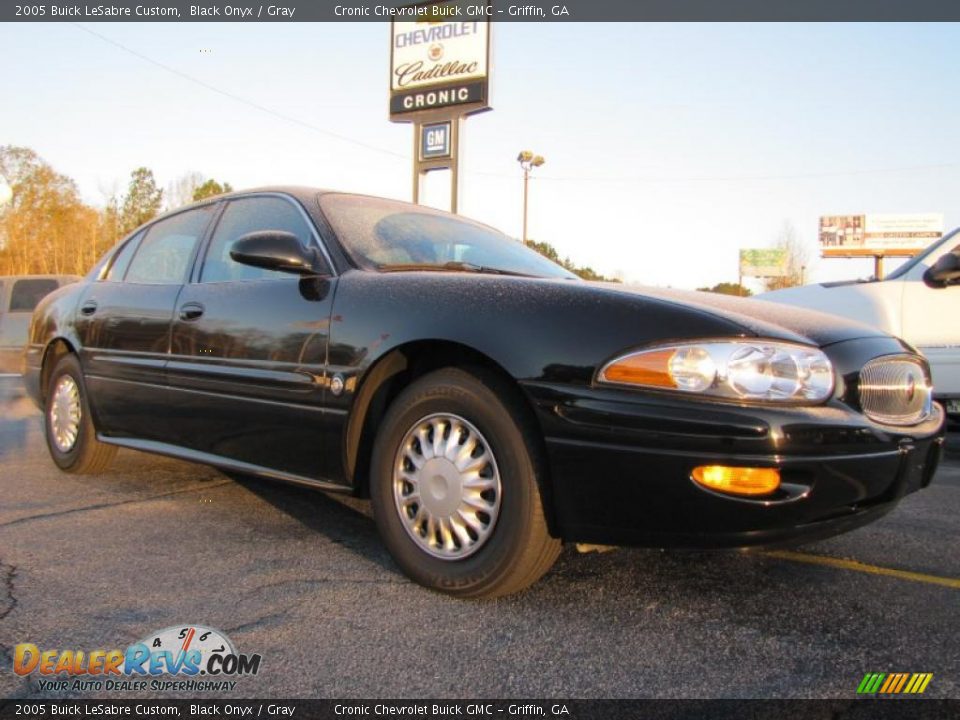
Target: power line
[551, 178]
[747, 178]
[239, 99]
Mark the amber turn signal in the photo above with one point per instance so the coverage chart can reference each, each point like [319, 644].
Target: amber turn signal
[648, 368]
[738, 480]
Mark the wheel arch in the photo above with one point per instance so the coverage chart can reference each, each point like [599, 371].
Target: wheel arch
[384, 380]
[55, 349]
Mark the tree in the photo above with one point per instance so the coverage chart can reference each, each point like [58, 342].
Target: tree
[728, 288]
[45, 228]
[211, 188]
[180, 191]
[142, 201]
[192, 187]
[108, 222]
[550, 252]
[798, 257]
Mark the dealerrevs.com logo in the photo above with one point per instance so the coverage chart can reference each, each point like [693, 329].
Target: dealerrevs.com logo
[197, 657]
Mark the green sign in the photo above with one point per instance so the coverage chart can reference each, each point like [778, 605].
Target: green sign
[763, 262]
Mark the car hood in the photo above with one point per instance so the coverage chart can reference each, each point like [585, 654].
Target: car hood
[876, 304]
[759, 317]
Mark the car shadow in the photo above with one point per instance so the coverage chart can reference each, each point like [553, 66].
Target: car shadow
[644, 577]
[343, 520]
[17, 411]
[652, 574]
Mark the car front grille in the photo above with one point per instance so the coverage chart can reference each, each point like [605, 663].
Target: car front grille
[896, 390]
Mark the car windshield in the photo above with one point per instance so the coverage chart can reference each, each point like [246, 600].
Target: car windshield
[922, 257]
[387, 235]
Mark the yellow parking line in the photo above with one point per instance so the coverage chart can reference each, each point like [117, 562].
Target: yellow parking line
[841, 564]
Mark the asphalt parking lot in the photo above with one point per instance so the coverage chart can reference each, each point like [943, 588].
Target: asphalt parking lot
[302, 579]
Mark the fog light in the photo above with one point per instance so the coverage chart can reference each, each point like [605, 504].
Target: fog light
[738, 480]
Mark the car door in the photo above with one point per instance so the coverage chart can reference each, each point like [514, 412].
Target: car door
[929, 323]
[123, 324]
[249, 350]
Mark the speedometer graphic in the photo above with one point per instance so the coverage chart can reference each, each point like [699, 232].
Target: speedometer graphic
[186, 638]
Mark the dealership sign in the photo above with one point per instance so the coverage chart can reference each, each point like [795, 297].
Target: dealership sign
[878, 235]
[439, 63]
[763, 262]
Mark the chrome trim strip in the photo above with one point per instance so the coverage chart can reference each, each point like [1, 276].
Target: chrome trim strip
[221, 396]
[772, 460]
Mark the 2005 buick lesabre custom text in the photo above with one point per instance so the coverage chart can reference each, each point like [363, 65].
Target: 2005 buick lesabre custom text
[490, 404]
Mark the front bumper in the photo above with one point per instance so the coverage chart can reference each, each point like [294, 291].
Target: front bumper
[621, 464]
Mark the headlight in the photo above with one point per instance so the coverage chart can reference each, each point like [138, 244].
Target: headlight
[735, 369]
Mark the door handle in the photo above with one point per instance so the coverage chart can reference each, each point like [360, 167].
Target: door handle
[191, 311]
[89, 307]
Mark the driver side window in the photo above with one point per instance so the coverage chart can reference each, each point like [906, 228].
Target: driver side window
[244, 216]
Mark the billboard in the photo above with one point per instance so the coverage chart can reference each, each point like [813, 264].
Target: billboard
[763, 262]
[437, 63]
[869, 235]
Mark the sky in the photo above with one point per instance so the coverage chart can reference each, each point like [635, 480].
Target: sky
[668, 146]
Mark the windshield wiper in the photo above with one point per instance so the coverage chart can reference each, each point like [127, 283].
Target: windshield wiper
[452, 266]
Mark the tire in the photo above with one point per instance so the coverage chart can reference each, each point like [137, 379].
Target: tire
[498, 549]
[78, 452]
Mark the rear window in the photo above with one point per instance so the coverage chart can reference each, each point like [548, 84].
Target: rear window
[165, 253]
[27, 293]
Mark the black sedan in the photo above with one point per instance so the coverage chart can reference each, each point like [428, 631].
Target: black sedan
[490, 404]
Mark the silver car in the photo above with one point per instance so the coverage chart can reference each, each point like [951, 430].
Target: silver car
[19, 295]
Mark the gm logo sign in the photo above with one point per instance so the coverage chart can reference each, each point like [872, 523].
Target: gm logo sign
[435, 141]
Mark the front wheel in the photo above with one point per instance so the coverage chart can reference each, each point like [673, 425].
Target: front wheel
[454, 487]
[71, 435]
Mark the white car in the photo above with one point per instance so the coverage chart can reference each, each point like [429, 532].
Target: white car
[919, 302]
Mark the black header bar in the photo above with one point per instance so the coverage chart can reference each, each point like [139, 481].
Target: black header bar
[483, 709]
[532, 11]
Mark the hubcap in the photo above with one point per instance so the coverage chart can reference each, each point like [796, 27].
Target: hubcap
[65, 414]
[446, 486]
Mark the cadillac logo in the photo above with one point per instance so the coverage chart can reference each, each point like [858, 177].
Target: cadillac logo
[436, 51]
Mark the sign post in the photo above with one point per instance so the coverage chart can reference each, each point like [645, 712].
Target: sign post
[439, 75]
[878, 236]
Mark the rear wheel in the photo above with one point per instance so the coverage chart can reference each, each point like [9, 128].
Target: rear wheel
[454, 487]
[71, 436]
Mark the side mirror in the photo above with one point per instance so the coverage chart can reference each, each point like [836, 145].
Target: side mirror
[277, 250]
[945, 271]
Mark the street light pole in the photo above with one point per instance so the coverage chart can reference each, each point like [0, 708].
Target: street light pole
[526, 194]
[527, 161]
